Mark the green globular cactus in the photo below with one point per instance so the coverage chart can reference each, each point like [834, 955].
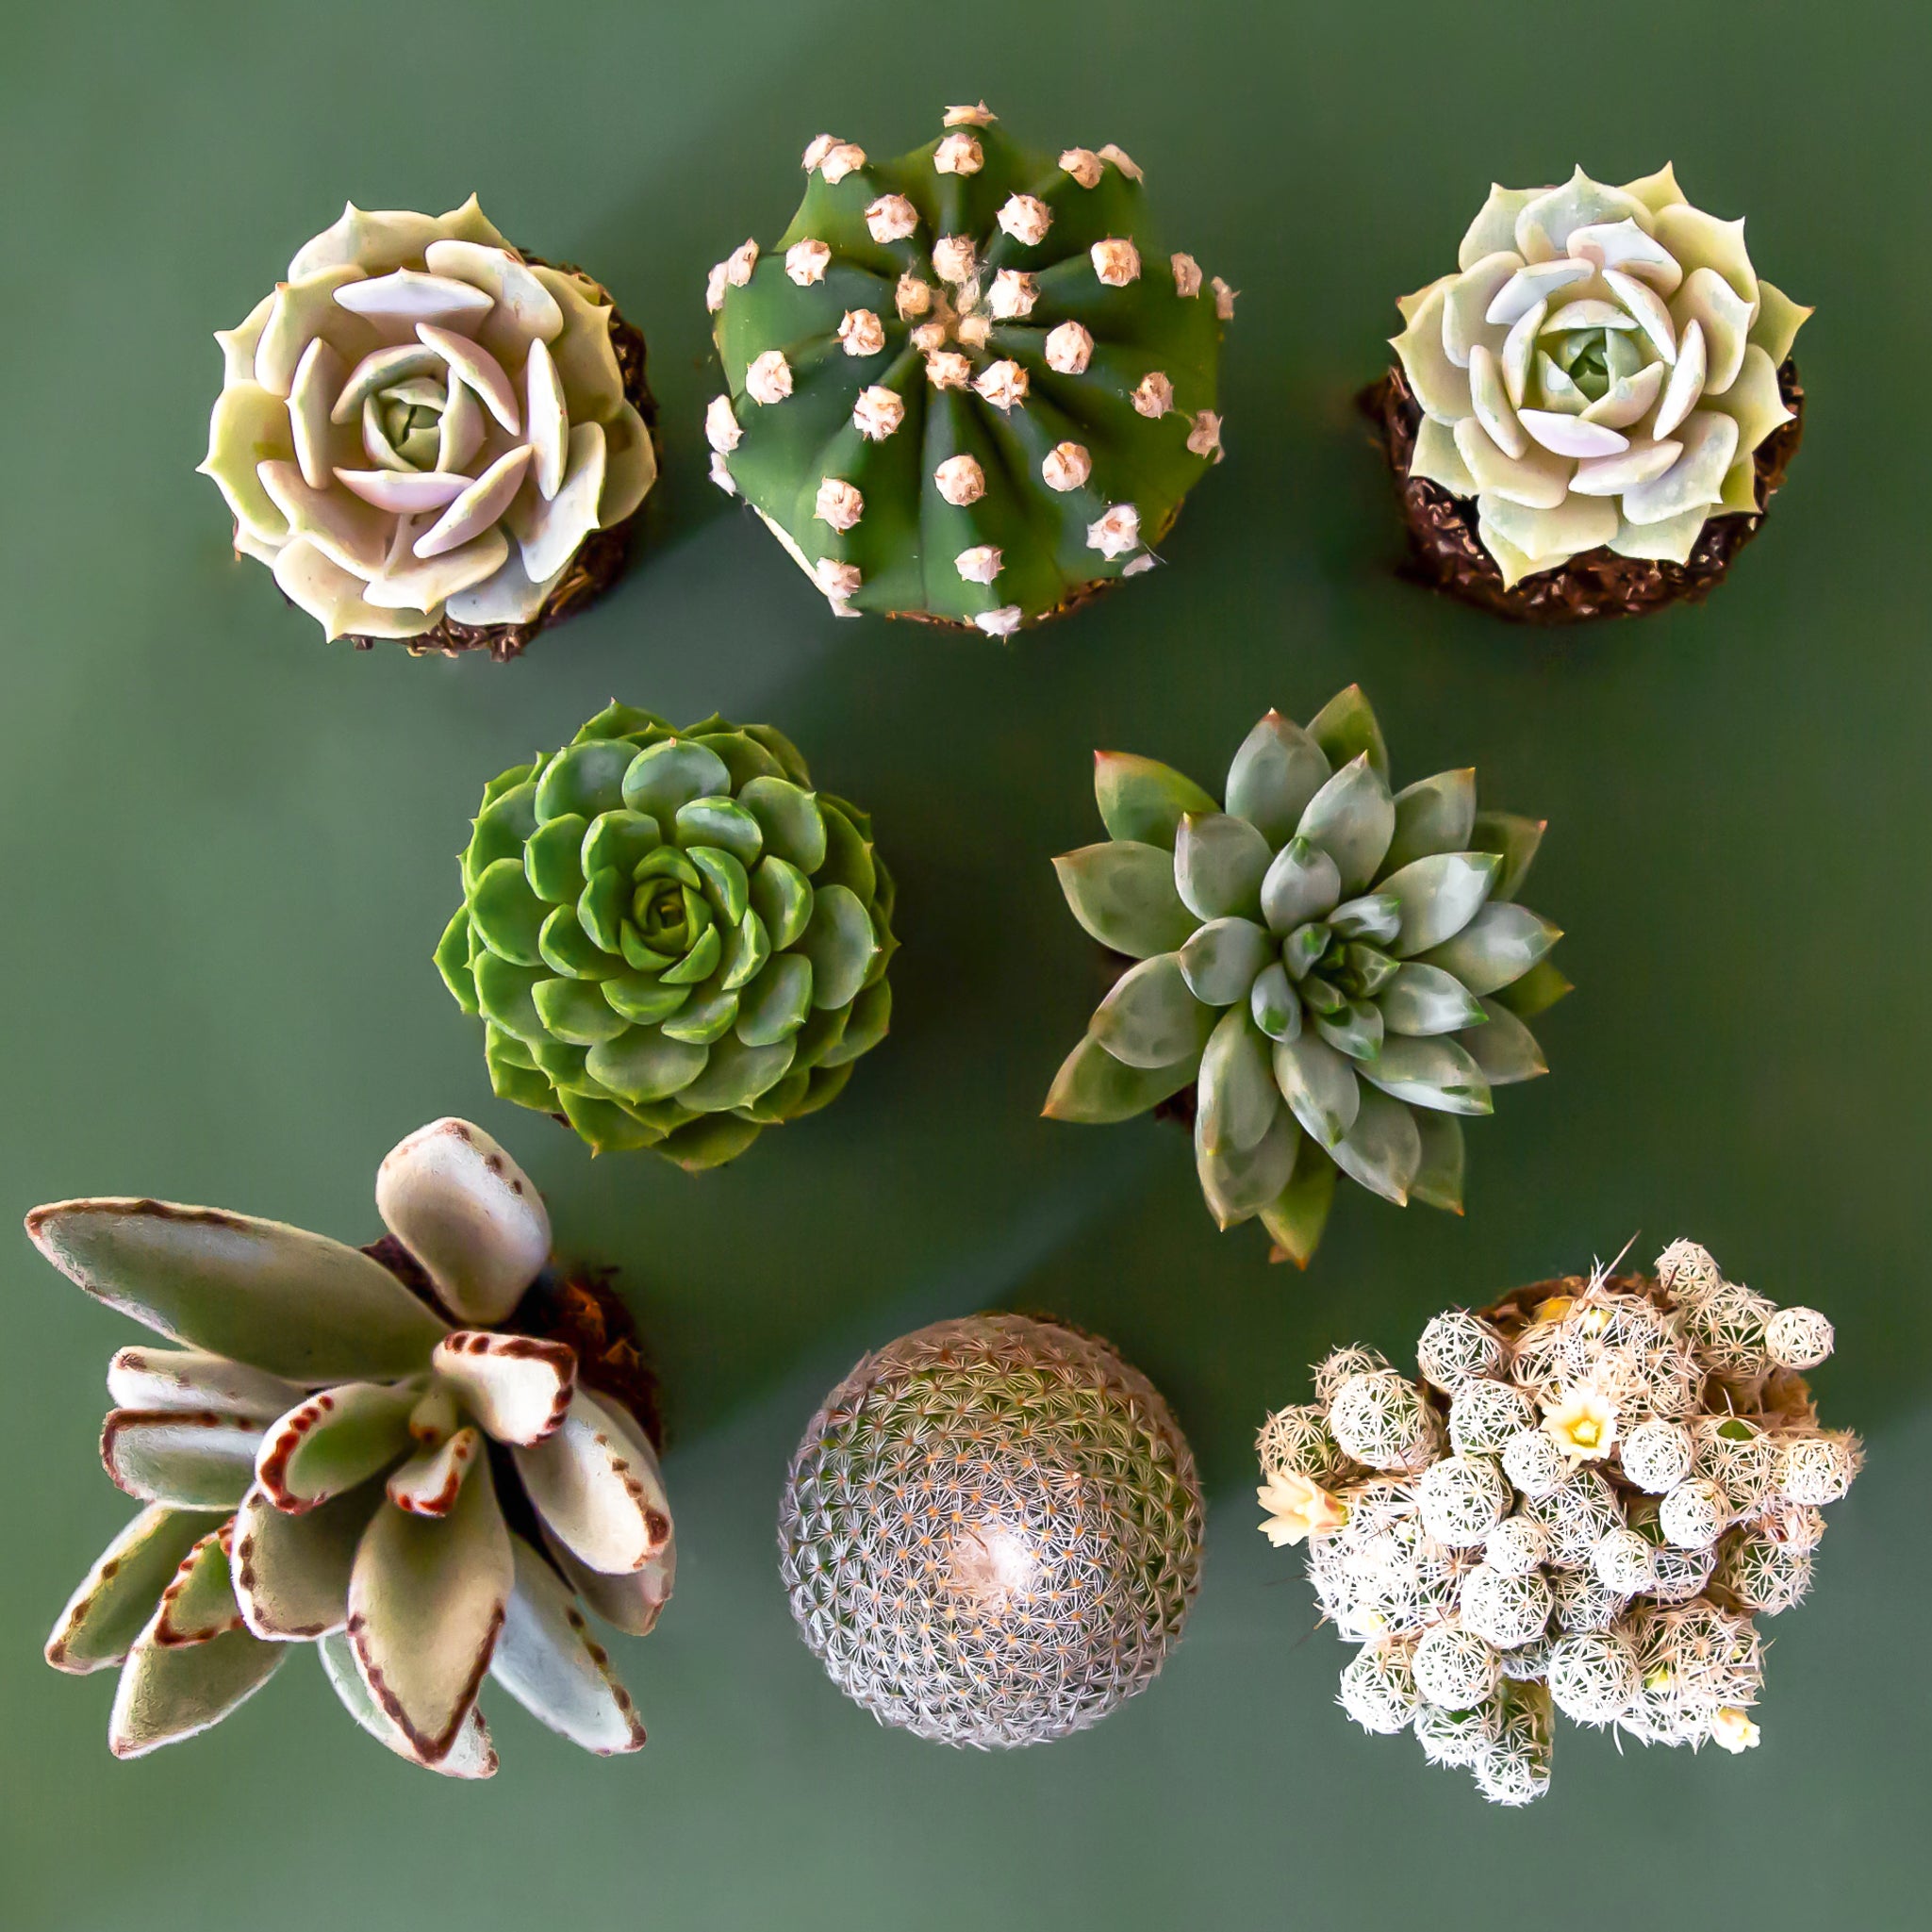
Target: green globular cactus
[969, 384]
[673, 942]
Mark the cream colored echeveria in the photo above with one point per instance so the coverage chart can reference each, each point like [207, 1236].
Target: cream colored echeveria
[1600, 369]
[419, 422]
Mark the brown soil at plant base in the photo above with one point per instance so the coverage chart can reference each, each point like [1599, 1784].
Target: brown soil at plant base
[600, 560]
[1446, 555]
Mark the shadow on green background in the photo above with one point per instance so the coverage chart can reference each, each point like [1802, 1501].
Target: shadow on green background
[233, 850]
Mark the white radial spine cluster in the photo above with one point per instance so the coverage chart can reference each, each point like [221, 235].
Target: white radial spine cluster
[1581, 1506]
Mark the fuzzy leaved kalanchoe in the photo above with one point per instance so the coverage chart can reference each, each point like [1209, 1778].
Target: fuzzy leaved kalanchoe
[1604, 380]
[672, 940]
[1337, 971]
[425, 1457]
[1583, 1505]
[431, 437]
[969, 384]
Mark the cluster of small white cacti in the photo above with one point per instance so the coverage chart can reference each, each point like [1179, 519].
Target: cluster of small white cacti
[1581, 1506]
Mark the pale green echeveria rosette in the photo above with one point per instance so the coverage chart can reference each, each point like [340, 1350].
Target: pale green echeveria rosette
[419, 422]
[322, 1457]
[1600, 370]
[1342, 972]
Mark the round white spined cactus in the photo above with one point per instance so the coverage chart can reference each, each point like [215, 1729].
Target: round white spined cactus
[1381, 1420]
[1454, 1667]
[421, 424]
[1295, 1441]
[1378, 1687]
[1599, 372]
[1461, 1498]
[1592, 1675]
[1485, 1416]
[1505, 1611]
[1456, 1347]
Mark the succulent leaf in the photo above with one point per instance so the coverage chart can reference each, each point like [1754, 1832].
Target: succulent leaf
[1143, 800]
[188, 1458]
[548, 1662]
[1319, 1084]
[1219, 862]
[339, 1437]
[1383, 1150]
[158, 1378]
[518, 1387]
[1152, 1017]
[1438, 1180]
[470, 1757]
[1500, 944]
[1345, 729]
[1425, 999]
[631, 1600]
[1438, 897]
[1095, 1089]
[1302, 883]
[595, 1483]
[1277, 769]
[1124, 895]
[292, 1571]
[118, 1594]
[1352, 819]
[1238, 1100]
[1537, 991]
[1434, 815]
[171, 1691]
[1432, 1072]
[1222, 960]
[1296, 1217]
[1504, 1048]
[1238, 1182]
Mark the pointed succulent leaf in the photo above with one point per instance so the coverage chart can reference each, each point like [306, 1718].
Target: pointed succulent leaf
[1345, 729]
[1277, 769]
[1504, 1048]
[171, 1691]
[1429, 1072]
[338, 1438]
[1438, 896]
[1151, 1017]
[1273, 1003]
[1319, 1084]
[1219, 862]
[291, 1573]
[1352, 819]
[1143, 799]
[1536, 992]
[518, 1387]
[596, 1485]
[1423, 999]
[1303, 948]
[1302, 883]
[430, 1482]
[466, 1210]
[1355, 1029]
[151, 1379]
[427, 1602]
[632, 1600]
[1500, 944]
[1238, 1100]
[1383, 1150]
[188, 1458]
[1434, 815]
[198, 1603]
[840, 943]
[736, 1075]
[118, 1594]
[1095, 1089]
[1438, 1181]
[1123, 893]
[1220, 962]
[781, 897]
[547, 1659]
[1377, 917]
[295, 1304]
[1237, 1182]
[789, 822]
[1515, 839]
[1296, 1217]
[470, 1757]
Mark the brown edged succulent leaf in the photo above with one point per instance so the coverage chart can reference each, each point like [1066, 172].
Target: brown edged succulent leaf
[199, 1602]
[337, 1439]
[171, 1691]
[632, 1600]
[296, 1304]
[547, 1659]
[192, 1458]
[472, 1756]
[118, 1594]
[425, 1606]
[595, 1482]
[150, 1377]
[291, 1572]
[518, 1387]
[429, 1482]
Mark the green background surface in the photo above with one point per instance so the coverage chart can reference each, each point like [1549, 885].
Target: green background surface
[230, 852]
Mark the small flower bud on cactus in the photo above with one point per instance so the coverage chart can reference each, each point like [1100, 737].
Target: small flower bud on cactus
[1012, 309]
[1504, 1574]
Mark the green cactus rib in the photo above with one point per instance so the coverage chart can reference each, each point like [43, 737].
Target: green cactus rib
[673, 941]
[940, 331]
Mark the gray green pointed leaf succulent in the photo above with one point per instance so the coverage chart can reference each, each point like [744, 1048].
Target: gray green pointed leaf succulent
[1599, 369]
[673, 941]
[327, 1481]
[1338, 970]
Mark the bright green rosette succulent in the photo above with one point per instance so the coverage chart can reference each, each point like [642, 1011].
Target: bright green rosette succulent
[970, 384]
[1339, 971]
[672, 940]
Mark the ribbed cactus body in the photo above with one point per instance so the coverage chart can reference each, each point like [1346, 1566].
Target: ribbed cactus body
[970, 384]
[991, 1534]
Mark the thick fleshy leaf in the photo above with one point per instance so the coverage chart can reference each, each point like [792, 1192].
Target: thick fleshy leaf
[547, 1659]
[1275, 773]
[790, 824]
[736, 1075]
[1504, 1048]
[118, 1594]
[338, 1438]
[1273, 1004]
[1220, 962]
[1438, 897]
[841, 943]
[518, 1387]
[1500, 944]
[430, 1482]
[1354, 1028]
[596, 1485]
[1352, 819]
[198, 1604]
[1383, 1151]
[631, 1601]
[1303, 948]
[1219, 862]
[1429, 1072]
[664, 776]
[458, 1201]
[1143, 800]
[298, 1305]
[1438, 1181]
[152, 1378]
[1296, 1217]
[171, 1691]
[643, 1064]
[1515, 839]
[1238, 1100]
[1434, 815]
[1537, 991]
[1095, 1089]
[291, 1573]
[1123, 893]
[470, 1757]
[1152, 1018]
[1377, 917]
[188, 1458]
[1319, 1084]
[1424, 1000]
[1345, 729]
[425, 1605]
[1302, 883]
[1237, 1182]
